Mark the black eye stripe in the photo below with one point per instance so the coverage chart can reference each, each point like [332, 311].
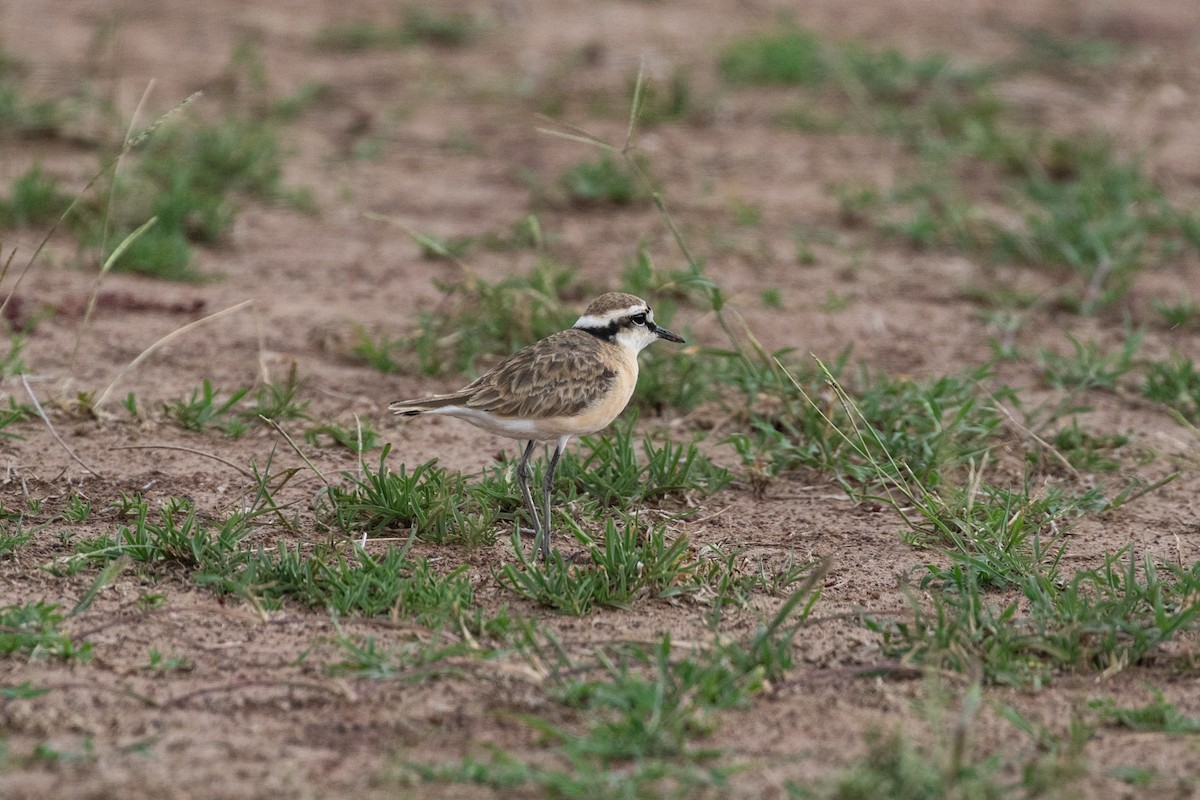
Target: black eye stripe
[608, 332]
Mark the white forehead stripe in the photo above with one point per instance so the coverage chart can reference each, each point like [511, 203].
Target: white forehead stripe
[593, 321]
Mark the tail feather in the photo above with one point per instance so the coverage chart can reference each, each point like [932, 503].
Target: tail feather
[410, 408]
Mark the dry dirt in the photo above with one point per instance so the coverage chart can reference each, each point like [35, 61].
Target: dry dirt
[256, 715]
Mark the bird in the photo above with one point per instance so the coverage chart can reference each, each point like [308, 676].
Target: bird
[572, 383]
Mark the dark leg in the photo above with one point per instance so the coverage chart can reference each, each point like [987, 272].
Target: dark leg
[548, 487]
[523, 479]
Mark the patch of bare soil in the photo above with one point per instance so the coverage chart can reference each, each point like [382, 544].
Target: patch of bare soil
[445, 140]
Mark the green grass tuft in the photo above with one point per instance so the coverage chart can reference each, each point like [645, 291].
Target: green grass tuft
[631, 562]
[191, 177]
[204, 407]
[36, 199]
[393, 583]
[359, 440]
[934, 428]
[1176, 384]
[609, 472]
[418, 26]
[793, 57]
[603, 182]
[1158, 715]
[1100, 619]
[222, 557]
[32, 630]
[431, 502]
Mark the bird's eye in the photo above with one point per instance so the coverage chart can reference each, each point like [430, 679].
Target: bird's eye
[639, 319]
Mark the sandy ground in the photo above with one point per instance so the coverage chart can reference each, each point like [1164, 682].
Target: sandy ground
[455, 151]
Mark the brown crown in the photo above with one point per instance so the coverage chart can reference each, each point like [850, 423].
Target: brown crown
[610, 302]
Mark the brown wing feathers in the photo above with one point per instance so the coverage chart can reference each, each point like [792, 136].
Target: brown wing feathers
[533, 382]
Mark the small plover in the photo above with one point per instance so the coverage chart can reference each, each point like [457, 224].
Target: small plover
[572, 383]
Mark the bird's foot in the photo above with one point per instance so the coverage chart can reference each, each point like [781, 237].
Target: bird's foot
[542, 546]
